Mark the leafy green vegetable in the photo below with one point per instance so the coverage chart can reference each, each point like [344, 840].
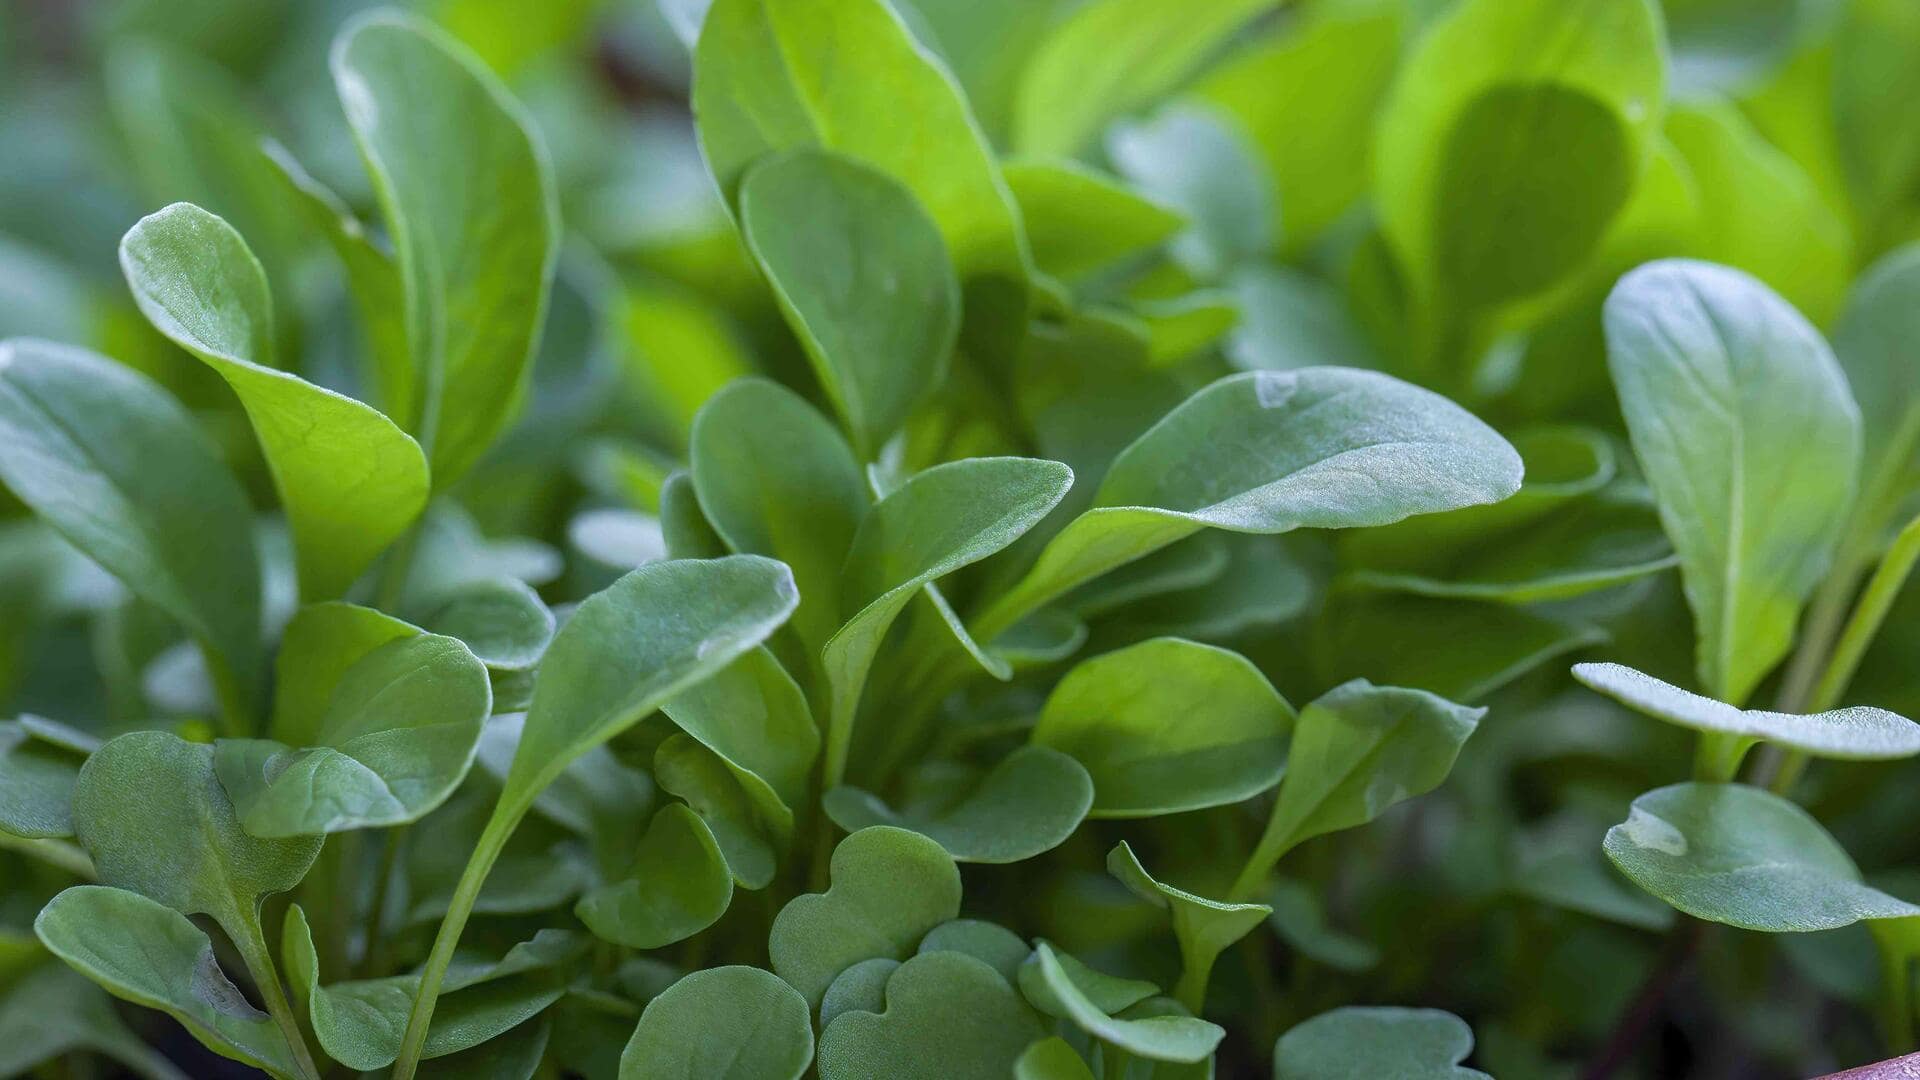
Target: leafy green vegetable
[1735, 854]
[467, 193]
[104, 456]
[1114, 714]
[889, 887]
[680, 885]
[947, 1015]
[1027, 804]
[347, 497]
[1731, 396]
[729, 1023]
[1203, 927]
[1158, 1038]
[1357, 1041]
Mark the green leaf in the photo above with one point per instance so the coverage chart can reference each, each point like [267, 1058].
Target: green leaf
[1305, 97]
[1763, 214]
[39, 764]
[998, 947]
[467, 194]
[863, 277]
[772, 75]
[1874, 48]
[889, 887]
[1269, 452]
[776, 479]
[1357, 750]
[359, 1022]
[350, 480]
[1195, 161]
[683, 525]
[372, 278]
[1111, 57]
[680, 885]
[725, 1023]
[1027, 804]
[754, 716]
[948, 1017]
[1871, 342]
[1204, 928]
[121, 470]
[1299, 920]
[1597, 542]
[635, 645]
[1158, 1038]
[1858, 733]
[1116, 713]
[399, 733]
[1463, 650]
[715, 791]
[950, 516]
[1081, 221]
[507, 626]
[1108, 993]
[151, 955]
[862, 987]
[1362, 1041]
[1731, 397]
[1051, 1059]
[51, 1011]
[1736, 854]
[320, 644]
[1510, 142]
[151, 812]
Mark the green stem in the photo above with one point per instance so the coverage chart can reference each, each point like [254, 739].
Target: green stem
[493, 839]
[1274, 843]
[259, 960]
[236, 710]
[1191, 989]
[1824, 619]
[1114, 1062]
[1717, 756]
[1881, 591]
[1896, 995]
[58, 853]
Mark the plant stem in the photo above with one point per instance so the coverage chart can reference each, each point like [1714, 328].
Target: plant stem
[259, 960]
[1896, 996]
[493, 839]
[236, 712]
[1878, 597]
[392, 587]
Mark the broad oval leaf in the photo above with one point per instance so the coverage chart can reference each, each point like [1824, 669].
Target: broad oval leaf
[151, 955]
[121, 471]
[863, 277]
[748, 839]
[1168, 725]
[1081, 221]
[725, 1023]
[635, 644]
[862, 987]
[1051, 1059]
[1857, 733]
[351, 481]
[320, 643]
[1512, 139]
[950, 516]
[776, 479]
[1269, 452]
[467, 194]
[1357, 750]
[1157, 1038]
[771, 75]
[400, 730]
[1027, 804]
[889, 887]
[151, 812]
[1740, 855]
[1364, 1041]
[1732, 399]
[998, 947]
[680, 885]
[1873, 343]
[948, 1017]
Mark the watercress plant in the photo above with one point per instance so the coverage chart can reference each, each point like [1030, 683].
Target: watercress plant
[931, 539]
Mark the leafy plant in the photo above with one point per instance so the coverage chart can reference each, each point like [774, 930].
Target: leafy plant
[1053, 539]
